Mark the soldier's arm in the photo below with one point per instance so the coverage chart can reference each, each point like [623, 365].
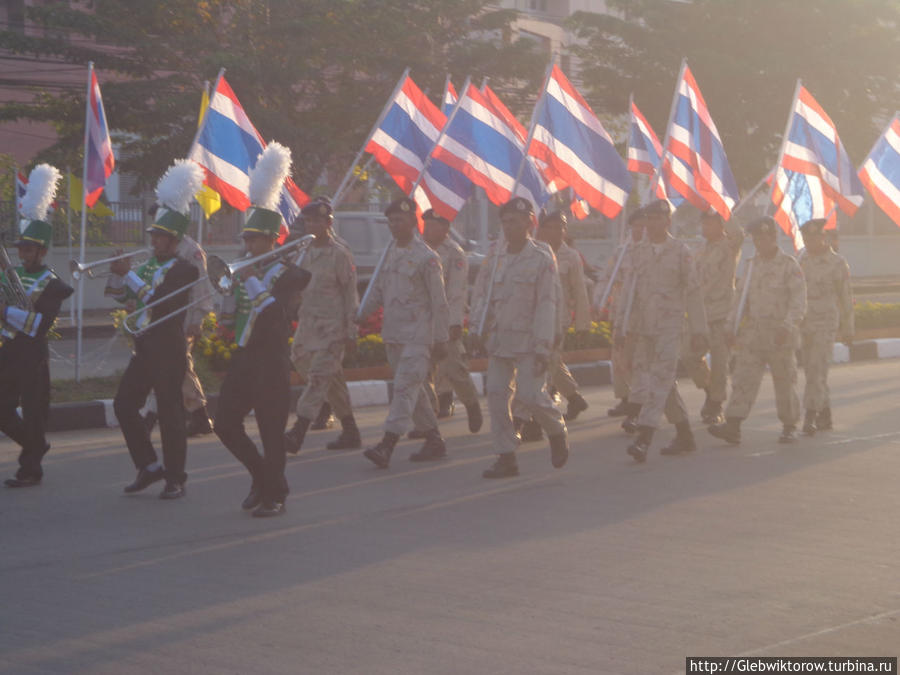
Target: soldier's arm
[696, 311]
[434, 284]
[578, 292]
[736, 300]
[457, 283]
[349, 295]
[796, 286]
[546, 318]
[845, 300]
[479, 293]
[734, 233]
[373, 299]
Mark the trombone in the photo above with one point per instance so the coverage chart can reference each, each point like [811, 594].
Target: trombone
[79, 269]
[220, 274]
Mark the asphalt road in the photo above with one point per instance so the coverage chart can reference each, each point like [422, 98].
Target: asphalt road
[601, 567]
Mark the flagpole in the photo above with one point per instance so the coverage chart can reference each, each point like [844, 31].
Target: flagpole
[784, 139]
[80, 324]
[69, 232]
[200, 126]
[335, 200]
[655, 178]
[534, 117]
[440, 137]
[756, 188]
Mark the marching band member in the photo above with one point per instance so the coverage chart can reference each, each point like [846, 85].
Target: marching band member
[159, 361]
[24, 357]
[258, 376]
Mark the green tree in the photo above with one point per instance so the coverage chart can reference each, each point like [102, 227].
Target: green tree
[312, 74]
[747, 56]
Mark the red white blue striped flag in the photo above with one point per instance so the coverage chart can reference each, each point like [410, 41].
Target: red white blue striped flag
[880, 173]
[100, 160]
[644, 149]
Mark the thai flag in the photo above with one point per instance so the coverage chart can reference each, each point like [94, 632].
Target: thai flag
[880, 173]
[813, 147]
[402, 143]
[21, 189]
[703, 176]
[569, 138]
[100, 160]
[644, 149]
[799, 197]
[480, 144]
[228, 146]
[450, 98]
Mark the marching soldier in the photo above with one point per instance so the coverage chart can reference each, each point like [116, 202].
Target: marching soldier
[621, 354]
[829, 313]
[325, 331]
[410, 286]
[661, 287]
[519, 283]
[770, 311]
[716, 263]
[452, 374]
[159, 360]
[25, 317]
[575, 306]
[259, 309]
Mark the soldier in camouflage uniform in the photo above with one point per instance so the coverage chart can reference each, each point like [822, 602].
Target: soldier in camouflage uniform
[661, 287]
[520, 332]
[325, 331]
[452, 374]
[770, 316]
[829, 313]
[621, 354]
[410, 286]
[575, 306]
[716, 263]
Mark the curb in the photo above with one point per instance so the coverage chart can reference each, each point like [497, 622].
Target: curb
[365, 393]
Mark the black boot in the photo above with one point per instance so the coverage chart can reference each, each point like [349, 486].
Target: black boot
[380, 454]
[809, 423]
[293, 438]
[505, 467]
[641, 445]
[416, 434]
[823, 420]
[253, 498]
[473, 412]
[577, 405]
[629, 424]
[323, 420]
[713, 413]
[531, 431]
[559, 450]
[683, 441]
[432, 449]
[445, 405]
[349, 438]
[729, 431]
[199, 423]
[788, 434]
[620, 410]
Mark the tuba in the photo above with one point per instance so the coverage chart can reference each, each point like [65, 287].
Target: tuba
[12, 291]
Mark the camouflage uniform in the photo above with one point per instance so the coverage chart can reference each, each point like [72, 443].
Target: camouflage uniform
[622, 351]
[411, 288]
[324, 324]
[663, 286]
[452, 373]
[574, 303]
[829, 313]
[776, 298]
[716, 264]
[522, 321]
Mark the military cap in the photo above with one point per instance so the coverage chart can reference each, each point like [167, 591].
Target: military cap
[764, 225]
[317, 207]
[814, 226]
[517, 205]
[553, 217]
[431, 215]
[401, 205]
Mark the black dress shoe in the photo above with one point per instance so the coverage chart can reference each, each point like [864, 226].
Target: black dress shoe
[172, 491]
[21, 482]
[253, 498]
[269, 509]
[473, 412]
[145, 478]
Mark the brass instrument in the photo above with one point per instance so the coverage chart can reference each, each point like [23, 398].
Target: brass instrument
[11, 290]
[86, 270]
[221, 273]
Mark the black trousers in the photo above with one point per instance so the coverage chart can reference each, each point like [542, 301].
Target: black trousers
[258, 382]
[159, 364]
[25, 381]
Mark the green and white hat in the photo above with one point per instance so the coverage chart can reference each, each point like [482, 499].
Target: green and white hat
[273, 166]
[174, 193]
[34, 228]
